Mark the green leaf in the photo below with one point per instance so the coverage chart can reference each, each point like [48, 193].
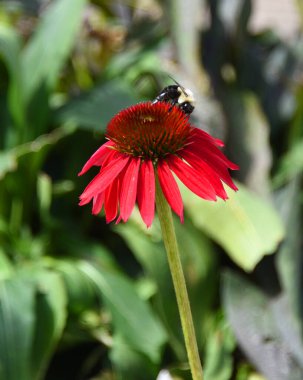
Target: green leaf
[291, 164]
[51, 44]
[17, 319]
[94, 109]
[81, 292]
[219, 348]
[288, 310]
[44, 192]
[246, 226]
[32, 317]
[10, 46]
[50, 313]
[289, 257]
[256, 327]
[130, 364]
[8, 162]
[6, 267]
[132, 317]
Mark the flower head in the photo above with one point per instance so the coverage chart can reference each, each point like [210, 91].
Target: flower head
[146, 140]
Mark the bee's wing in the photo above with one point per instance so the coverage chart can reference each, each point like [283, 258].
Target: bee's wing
[182, 88]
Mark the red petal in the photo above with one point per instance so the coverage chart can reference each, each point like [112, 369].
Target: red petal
[97, 158]
[107, 174]
[111, 200]
[146, 192]
[129, 189]
[205, 136]
[170, 188]
[98, 203]
[118, 220]
[215, 162]
[205, 170]
[204, 149]
[191, 178]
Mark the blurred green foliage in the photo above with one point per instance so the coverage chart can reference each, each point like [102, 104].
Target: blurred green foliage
[80, 299]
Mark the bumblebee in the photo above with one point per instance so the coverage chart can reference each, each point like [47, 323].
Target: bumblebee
[178, 96]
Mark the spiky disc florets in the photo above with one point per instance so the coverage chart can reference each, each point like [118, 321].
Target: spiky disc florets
[149, 130]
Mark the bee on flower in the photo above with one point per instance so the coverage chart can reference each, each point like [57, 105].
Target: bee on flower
[153, 140]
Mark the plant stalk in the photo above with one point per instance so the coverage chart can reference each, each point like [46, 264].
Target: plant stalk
[171, 246]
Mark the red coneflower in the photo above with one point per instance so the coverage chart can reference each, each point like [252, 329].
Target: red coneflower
[146, 139]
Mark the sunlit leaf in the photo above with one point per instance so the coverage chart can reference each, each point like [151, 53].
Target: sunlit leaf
[247, 227]
[8, 162]
[44, 192]
[6, 267]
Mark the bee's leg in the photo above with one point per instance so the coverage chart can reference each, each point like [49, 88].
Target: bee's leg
[173, 102]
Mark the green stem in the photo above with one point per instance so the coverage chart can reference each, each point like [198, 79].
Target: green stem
[171, 246]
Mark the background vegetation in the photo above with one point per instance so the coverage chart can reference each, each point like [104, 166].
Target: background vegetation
[80, 299]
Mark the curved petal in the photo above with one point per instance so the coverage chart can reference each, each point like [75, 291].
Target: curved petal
[128, 192]
[97, 158]
[192, 178]
[216, 163]
[107, 174]
[193, 160]
[205, 136]
[111, 201]
[170, 188]
[98, 203]
[214, 153]
[146, 192]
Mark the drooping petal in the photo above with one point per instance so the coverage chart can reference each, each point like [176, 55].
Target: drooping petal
[97, 157]
[129, 186]
[191, 178]
[219, 165]
[204, 170]
[209, 150]
[111, 201]
[170, 188]
[84, 201]
[204, 135]
[146, 192]
[98, 201]
[107, 174]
